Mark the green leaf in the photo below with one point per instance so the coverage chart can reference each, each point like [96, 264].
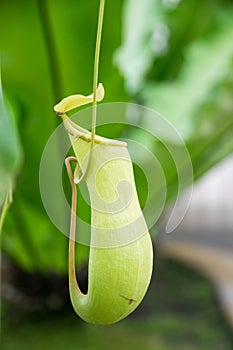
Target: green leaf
[10, 149]
[194, 90]
[207, 64]
[141, 20]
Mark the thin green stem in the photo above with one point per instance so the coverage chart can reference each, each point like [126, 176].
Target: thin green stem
[51, 49]
[96, 69]
[95, 84]
[52, 58]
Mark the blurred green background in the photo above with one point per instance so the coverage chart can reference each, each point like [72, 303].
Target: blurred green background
[173, 56]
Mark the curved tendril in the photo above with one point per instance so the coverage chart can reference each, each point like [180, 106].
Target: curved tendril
[72, 274]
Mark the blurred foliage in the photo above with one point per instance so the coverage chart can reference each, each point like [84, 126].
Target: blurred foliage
[10, 149]
[184, 318]
[175, 57]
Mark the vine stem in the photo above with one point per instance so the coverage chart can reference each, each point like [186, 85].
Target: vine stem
[96, 69]
[51, 48]
[95, 85]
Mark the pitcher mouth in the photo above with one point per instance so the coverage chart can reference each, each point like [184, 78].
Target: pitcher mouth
[74, 101]
[77, 131]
